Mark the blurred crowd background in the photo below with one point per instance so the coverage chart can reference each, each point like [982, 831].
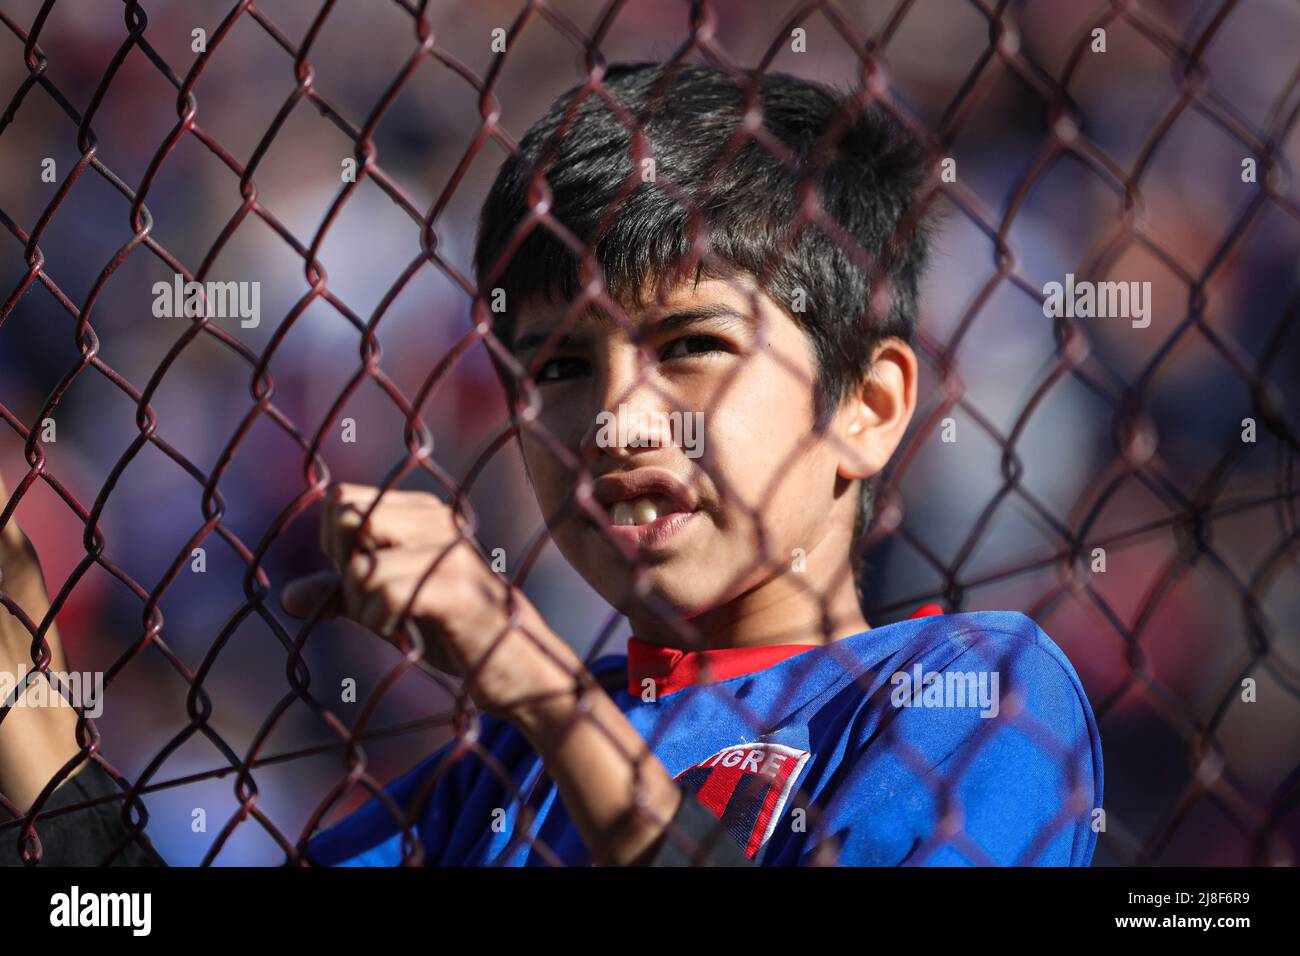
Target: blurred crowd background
[1201, 586]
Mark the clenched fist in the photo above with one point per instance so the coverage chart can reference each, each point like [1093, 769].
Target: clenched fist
[409, 559]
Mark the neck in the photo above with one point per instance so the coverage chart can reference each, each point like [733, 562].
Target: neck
[786, 609]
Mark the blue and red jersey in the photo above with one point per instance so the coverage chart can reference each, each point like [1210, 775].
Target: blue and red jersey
[961, 739]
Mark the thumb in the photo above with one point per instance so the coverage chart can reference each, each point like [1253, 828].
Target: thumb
[303, 595]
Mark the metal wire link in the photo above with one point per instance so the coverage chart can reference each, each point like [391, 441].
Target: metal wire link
[1055, 575]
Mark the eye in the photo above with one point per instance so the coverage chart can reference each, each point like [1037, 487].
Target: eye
[692, 345]
[561, 369]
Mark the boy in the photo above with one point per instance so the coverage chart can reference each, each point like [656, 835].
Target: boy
[757, 718]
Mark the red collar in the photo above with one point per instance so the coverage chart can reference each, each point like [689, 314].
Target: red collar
[672, 668]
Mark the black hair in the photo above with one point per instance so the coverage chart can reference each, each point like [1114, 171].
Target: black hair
[731, 196]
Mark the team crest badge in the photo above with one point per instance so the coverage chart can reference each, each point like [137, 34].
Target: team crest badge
[746, 787]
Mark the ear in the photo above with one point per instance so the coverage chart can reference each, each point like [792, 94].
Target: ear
[874, 415]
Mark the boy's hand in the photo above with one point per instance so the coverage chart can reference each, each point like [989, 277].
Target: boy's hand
[616, 790]
[412, 553]
[35, 742]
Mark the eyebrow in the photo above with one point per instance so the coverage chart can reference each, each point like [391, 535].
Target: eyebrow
[675, 319]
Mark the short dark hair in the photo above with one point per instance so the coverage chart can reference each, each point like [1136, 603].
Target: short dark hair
[739, 200]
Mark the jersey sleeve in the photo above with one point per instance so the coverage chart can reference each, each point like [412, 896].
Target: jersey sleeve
[1012, 777]
[374, 835]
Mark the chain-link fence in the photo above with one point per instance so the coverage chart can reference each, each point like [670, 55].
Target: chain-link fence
[1130, 485]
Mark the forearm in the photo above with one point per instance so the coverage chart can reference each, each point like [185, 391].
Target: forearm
[35, 741]
[617, 792]
[35, 744]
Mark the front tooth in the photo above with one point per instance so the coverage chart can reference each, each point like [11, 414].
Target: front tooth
[645, 510]
[623, 513]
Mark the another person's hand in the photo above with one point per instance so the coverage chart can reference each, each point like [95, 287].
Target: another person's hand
[35, 741]
[411, 559]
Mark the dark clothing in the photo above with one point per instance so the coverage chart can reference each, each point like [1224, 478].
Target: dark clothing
[84, 837]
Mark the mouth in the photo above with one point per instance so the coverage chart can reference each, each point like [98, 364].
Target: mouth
[641, 511]
[646, 509]
[647, 522]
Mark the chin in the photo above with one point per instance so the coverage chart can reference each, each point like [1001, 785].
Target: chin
[669, 599]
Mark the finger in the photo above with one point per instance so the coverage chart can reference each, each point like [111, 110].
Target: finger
[380, 588]
[338, 532]
[303, 595]
[399, 519]
[385, 606]
[381, 609]
[328, 522]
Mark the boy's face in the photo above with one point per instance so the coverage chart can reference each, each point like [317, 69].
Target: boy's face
[738, 473]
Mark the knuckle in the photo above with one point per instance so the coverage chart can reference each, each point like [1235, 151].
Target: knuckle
[428, 500]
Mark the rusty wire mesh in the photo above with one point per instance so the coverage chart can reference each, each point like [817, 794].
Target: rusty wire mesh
[1110, 640]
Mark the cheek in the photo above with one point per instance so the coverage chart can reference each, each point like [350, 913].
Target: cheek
[758, 436]
[552, 485]
[548, 476]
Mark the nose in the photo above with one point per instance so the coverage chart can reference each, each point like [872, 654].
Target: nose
[630, 416]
